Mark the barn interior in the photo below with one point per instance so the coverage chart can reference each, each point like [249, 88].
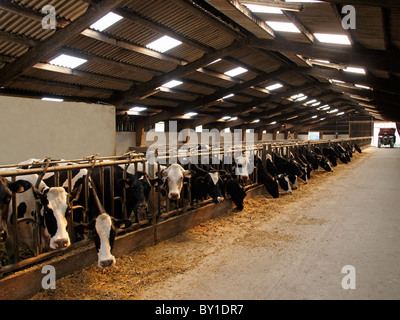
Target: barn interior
[110, 71]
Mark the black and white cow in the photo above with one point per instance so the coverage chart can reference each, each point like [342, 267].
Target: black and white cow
[104, 229]
[7, 188]
[54, 206]
[290, 167]
[264, 177]
[137, 185]
[173, 177]
[317, 160]
[331, 154]
[282, 178]
[208, 183]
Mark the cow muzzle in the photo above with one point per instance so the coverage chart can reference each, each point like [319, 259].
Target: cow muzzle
[173, 196]
[106, 263]
[61, 243]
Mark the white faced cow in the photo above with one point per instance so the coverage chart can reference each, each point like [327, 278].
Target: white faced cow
[174, 175]
[54, 204]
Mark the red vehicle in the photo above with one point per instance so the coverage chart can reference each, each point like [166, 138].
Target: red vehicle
[387, 137]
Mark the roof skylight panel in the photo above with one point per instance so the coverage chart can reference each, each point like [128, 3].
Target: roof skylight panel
[107, 21]
[235, 72]
[283, 26]
[67, 61]
[163, 44]
[333, 38]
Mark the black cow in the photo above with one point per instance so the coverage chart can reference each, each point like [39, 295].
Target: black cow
[137, 185]
[235, 191]
[331, 154]
[290, 167]
[282, 178]
[357, 148]
[264, 177]
[317, 160]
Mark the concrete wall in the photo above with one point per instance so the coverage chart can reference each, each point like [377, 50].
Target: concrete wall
[32, 128]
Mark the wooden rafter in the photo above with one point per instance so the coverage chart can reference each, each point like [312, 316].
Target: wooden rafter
[57, 40]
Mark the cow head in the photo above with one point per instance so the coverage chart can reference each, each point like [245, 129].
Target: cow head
[55, 209]
[213, 182]
[174, 175]
[235, 191]
[104, 230]
[138, 186]
[6, 190]
[243, 167]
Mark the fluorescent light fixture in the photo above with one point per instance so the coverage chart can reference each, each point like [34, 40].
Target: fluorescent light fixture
[172, 84]
[256, 121]
[302, 98]
[235, 72]
[313, 117]
[311, 101]
[263, 9]
[135, 110]
[362, 87]
[295, 97]
[234, 118]
[337, 81]
[228, 96]
[333, 111]
[138, 109]
[53, 99]
[190, 114]
[322, 119]
[283, 26]
[340, 113]
[333, 38]
[225, 118]
[215, 61]
[107, 21]
[164, 44]
[273, 122]
[316, 104]
[67, 61]
[274, 87]
[355, 70]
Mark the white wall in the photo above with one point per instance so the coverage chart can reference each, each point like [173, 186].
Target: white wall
[32, 128]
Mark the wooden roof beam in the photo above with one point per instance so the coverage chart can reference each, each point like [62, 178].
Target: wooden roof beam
[57, 40]
[205, 100]
[147, 87]
[367, 58]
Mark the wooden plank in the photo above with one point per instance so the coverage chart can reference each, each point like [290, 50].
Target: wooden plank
[57, 40]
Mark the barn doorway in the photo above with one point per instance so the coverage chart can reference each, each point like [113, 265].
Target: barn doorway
[378, 126]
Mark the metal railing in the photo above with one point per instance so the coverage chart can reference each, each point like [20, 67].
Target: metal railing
[165, 208]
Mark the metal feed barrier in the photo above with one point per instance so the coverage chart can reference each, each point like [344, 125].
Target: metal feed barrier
[164, 209]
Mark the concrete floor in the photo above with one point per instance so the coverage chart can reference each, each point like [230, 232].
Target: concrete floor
[361, 214]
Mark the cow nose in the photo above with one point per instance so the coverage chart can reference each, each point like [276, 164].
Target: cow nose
[62, 243]
[244, 178]
[174, 195]
[220, 199]
[106, 263]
